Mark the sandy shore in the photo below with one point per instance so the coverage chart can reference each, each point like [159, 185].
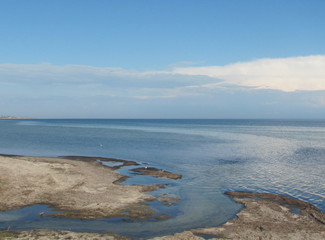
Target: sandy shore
[81, 189]
[264, 216]
[270, 216]
[85, 189]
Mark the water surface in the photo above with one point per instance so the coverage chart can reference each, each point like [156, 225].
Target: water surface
[279, 156]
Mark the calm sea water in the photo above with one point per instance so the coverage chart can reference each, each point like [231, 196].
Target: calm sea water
[214, 156]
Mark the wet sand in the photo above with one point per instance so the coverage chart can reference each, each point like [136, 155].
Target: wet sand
[264, 216]
[270, 216]
[80, 189]
[85, 189]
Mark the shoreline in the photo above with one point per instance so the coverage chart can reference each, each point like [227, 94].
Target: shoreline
[264, 216]
[29, 181]
[76, 187]
[13, 118]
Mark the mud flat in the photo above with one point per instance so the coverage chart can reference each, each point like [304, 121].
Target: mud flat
[264, 216]
[81, 189]
[85, 189]
[270, 216]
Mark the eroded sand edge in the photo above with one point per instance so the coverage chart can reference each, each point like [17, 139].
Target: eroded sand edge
[80, 188]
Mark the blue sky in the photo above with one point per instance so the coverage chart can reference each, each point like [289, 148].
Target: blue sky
[162, 59]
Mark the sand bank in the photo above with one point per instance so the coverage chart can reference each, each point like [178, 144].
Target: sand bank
[264, 216]
[86, 189]
[80, 189]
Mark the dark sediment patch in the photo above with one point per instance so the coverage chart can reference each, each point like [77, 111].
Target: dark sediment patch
[162, 217]
[159, 173]
[167, 200]
[136, 211]
[153, 187]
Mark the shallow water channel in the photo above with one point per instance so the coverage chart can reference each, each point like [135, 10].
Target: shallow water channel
[39, 216]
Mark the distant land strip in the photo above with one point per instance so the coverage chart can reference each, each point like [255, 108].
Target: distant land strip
[11, 117]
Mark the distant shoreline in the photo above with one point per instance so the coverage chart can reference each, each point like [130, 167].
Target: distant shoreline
[7, 118]
[169, 119]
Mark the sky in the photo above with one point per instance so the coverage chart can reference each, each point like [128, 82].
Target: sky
[162, 58]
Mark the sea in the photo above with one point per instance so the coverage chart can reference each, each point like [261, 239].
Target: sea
[213, 155]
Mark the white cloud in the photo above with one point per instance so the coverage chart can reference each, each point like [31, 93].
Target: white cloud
[285, 74]
[236, 90]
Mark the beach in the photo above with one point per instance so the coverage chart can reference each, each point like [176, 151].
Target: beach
[85, 189]
[78, 189]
